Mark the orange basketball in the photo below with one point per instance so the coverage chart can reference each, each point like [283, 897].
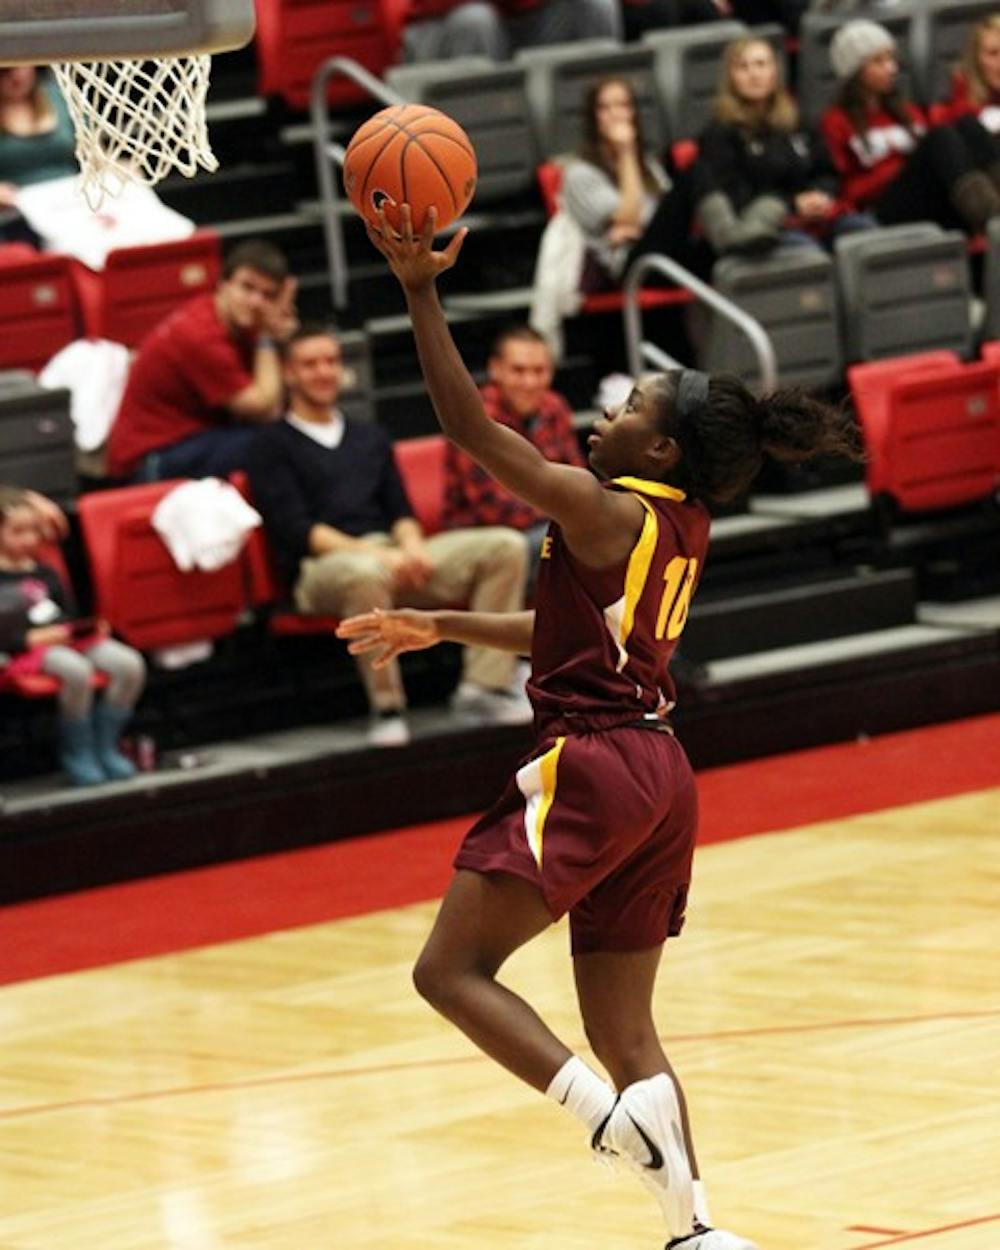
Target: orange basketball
[410, 154]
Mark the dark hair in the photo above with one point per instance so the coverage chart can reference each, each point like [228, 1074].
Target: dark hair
[852, 97]
[258, 255]
[310, 330]
[12, 497]
[518, 333]
[591, 148]
[724, 431]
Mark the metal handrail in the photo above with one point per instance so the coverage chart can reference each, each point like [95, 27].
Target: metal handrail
[327, 152]
[640, 350]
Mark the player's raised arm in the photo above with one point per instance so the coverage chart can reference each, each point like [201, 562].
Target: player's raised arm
[569, 495]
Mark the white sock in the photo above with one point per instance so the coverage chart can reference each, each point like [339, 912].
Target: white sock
[701, 1214]
[582, 1092]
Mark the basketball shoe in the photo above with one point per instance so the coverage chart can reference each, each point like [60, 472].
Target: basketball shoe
[644, 1130]
[710, 1239]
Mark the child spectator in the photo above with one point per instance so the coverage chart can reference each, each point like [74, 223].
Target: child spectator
[39, 635]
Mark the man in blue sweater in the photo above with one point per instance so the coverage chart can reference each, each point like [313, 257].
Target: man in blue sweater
[346, 540]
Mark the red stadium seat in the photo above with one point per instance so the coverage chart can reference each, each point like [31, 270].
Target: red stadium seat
[41, 685]
[295, 36]
[38, 310]
[550, 176]
[421, 466]
[932, 430]
[991, 352]
[139, 286]
[138, 588]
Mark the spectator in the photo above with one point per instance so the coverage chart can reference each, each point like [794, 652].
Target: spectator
[973, 106]
[519, 395]
[888, 162]
[436, 29]
[642, 15]
[757, 167]
[41, 636]
[36, 141]
[619, 194]
[207, 375]
[345, 537]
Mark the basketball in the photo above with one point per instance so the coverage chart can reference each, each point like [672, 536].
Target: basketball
[410, 154]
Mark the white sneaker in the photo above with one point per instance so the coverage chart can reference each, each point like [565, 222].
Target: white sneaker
[644, 1129]
[388, 731]
[711, 1239]
[508, 707]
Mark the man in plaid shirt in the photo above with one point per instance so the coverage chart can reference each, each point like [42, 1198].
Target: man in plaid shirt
[519, 395]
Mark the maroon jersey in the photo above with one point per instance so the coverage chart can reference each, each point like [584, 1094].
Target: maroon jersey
[604, 637]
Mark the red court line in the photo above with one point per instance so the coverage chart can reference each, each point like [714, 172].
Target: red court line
[226, 902]
[928, 1232]
[421, 1065]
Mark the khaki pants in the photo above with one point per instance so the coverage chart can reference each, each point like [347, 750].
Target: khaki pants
[483, 569]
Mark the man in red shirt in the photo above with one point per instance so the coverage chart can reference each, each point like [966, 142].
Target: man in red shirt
[207, 375]
[438, 29]
[518, 395]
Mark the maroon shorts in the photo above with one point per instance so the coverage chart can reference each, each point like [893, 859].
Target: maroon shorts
[604, 824]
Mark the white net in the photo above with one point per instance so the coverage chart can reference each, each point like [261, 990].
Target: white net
[137, 120]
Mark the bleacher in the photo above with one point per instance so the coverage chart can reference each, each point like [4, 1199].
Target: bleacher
[836, 601]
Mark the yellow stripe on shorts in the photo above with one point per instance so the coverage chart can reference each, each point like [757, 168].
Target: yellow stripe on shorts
[537, 782]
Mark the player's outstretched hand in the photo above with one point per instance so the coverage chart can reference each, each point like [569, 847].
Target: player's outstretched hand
[386, 634]
[413, 259]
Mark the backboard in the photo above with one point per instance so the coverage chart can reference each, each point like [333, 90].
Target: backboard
[38, 31]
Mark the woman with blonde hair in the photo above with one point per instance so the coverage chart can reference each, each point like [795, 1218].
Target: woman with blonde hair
[757, 167]
[36, 139]
[973, 107]
[975, 81]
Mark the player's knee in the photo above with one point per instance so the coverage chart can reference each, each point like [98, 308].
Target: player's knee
[442, 983]
[431, 979]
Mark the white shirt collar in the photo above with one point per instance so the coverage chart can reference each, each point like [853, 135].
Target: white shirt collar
[329, 434]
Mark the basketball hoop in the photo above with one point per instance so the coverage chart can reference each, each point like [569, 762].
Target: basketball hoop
[137, 120]
[134, 74]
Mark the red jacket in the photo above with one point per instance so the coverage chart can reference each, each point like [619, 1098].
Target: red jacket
[961, 104]
[868, 163]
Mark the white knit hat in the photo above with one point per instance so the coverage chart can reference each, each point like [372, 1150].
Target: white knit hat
[854, 43]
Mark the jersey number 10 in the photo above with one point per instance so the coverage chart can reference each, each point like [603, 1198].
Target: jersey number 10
[679, 576]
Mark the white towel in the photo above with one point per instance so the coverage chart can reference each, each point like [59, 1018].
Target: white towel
[204, 524]
[94, 371]
[57, 212]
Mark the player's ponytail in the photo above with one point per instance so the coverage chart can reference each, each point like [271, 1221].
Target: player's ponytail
[724, 431]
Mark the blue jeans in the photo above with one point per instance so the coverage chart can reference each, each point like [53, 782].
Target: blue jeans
[214, 453]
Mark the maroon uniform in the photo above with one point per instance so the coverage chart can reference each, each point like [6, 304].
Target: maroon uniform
[602, 816]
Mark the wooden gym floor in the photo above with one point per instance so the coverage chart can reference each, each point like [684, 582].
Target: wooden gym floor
[833, 1008]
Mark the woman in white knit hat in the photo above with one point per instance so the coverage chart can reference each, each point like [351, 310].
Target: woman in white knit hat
[889, 163]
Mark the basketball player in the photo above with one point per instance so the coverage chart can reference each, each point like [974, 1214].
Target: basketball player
[600, 819]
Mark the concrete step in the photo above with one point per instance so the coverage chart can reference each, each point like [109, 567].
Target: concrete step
[796, 612]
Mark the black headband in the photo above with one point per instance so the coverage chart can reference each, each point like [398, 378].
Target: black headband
[692, 393]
